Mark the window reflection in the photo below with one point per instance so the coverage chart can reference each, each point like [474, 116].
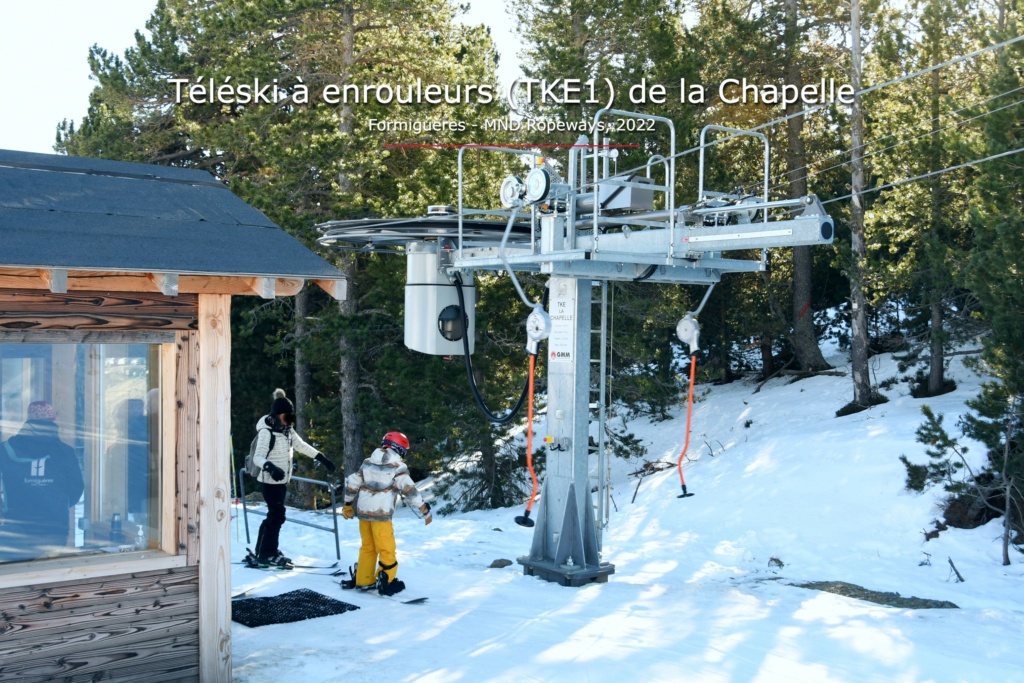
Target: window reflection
[79, 449]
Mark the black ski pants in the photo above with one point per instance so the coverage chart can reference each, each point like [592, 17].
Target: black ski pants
[270, 529]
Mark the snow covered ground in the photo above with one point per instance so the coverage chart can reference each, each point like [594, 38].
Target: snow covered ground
[704, 587]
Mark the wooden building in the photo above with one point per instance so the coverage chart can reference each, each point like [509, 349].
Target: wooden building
[115, 288]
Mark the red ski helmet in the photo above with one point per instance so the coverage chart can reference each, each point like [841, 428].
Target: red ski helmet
[396, 441]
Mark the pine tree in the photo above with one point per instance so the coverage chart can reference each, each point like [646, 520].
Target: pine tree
[919, 231]
[791, 43]
[993, 270]
[779, 42]
[993, 275]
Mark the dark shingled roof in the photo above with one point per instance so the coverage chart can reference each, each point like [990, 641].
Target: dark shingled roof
[93, 214]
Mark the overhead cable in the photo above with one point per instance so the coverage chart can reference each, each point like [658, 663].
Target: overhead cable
[863, 91]
[904, 181]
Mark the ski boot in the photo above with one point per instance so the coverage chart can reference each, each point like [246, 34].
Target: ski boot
[279, 561]
[350, 583]
[385, 587]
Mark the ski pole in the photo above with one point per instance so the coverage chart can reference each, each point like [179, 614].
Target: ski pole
[234, 482]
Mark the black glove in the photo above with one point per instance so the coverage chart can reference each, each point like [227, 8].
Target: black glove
[321, 459]
[276, 473]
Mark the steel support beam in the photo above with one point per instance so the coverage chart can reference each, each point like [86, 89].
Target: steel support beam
[565, 545]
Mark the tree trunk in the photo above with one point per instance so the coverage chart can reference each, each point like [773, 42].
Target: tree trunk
[352, 431]
[1008, 481]
[304, 494]
[858, 257]
[767, 360]
[302, 376]
[725, 364]
[936, 365]
[352, 428]
[936, 377]
[1007, 520]
[803, 340]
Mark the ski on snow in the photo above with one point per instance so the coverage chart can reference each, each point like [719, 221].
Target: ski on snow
[352, 575]
[412, 601]
[301, 566]
[255, 565]
[300, 569]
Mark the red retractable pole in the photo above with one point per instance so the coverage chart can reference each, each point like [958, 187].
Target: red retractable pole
[689, 416]
[524, 520]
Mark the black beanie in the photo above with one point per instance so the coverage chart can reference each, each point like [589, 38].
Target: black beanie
[281, 404]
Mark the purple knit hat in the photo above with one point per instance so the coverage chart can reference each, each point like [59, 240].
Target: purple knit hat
[41, 410]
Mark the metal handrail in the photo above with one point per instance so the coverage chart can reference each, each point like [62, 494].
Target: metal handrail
[334, 510]
[737, 132]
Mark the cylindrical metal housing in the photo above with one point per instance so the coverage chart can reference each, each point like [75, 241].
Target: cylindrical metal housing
[432, 303]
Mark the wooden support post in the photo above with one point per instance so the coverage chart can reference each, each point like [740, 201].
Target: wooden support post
[167, 411]
[214, 488]
[186, 397]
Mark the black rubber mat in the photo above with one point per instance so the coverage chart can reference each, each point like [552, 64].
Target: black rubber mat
[281, 609]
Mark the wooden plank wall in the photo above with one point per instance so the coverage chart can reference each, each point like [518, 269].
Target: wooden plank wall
[26, 309]
[135, 627]
[100, 633]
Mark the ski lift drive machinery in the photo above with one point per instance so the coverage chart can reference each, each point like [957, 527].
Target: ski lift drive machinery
[582, 231]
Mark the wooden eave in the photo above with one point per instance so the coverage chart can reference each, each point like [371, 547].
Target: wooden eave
[60, 281]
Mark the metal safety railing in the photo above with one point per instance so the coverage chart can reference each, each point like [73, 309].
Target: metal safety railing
[334, 510]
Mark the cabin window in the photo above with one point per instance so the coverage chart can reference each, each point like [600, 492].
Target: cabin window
[80, 449]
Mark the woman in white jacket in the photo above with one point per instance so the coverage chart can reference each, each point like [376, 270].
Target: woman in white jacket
[374, 489]
[276, 442]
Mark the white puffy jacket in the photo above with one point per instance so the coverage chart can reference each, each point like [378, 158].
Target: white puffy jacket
[376, 485]
[281, 454]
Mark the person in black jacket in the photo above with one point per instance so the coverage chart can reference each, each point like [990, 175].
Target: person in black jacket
[42, 481]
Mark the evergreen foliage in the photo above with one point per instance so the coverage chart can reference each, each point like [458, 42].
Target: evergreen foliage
[946, 455]
[991, 491]
[919, 233]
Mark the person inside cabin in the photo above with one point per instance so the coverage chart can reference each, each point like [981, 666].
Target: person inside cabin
[131, 449]
[42, 482]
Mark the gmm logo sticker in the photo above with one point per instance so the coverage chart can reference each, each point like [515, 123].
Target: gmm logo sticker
[560, 354]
